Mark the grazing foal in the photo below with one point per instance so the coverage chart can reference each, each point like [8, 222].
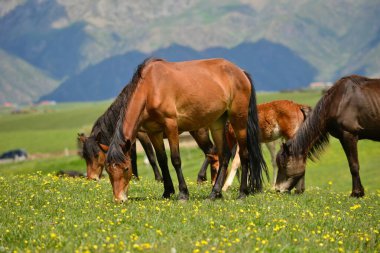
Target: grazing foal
[277, 119]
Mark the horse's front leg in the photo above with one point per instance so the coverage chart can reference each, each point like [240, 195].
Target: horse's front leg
[349, 143]
[300, 186]
[171, 131]
[134, 161]
[158, 144]
[272, 151]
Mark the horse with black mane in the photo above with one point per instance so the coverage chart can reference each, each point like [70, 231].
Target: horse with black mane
[95, 147]
[349, 111]
[172, 97]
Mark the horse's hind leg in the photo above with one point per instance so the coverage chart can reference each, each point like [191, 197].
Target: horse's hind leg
[147, 146]
[224, 153]
[171, 131]
[158, 144]
[349, 143]
[202, 138]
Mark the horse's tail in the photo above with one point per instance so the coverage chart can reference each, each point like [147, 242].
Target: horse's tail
[256, 160]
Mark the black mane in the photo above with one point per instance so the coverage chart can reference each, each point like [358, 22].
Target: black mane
[104, 127]
[115, 152]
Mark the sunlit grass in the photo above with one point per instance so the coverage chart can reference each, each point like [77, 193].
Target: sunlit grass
[47, 213]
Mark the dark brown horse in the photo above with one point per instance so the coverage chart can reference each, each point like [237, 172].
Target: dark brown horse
[349, 111]
[95, 146]
[170, 98]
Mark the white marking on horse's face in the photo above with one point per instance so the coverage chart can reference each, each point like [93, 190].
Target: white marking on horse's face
[122, 197]
[283, 186]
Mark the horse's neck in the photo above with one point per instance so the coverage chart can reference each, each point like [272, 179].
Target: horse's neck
[312, 136]
[132, 115]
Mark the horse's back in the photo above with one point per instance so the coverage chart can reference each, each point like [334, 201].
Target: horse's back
[195, 92]
[358, 108]
[280, 118]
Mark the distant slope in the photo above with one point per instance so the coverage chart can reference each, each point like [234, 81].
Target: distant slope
[64, 37]
[28, 32]
[20, 82]
[272, 66]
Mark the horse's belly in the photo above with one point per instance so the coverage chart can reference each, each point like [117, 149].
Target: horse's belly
[194, 121]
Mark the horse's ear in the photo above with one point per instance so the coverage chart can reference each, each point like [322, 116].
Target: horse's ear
[81, 137]
[104, 147]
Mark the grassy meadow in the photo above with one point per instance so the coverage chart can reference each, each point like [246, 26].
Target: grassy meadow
[40, 212]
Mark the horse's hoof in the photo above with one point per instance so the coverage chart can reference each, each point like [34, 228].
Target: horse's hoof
[242, 195]
[299, 191]
[183, 197]
[357, 194]
[201, 180]
[215, 195]
[167, 194]
[159, 179]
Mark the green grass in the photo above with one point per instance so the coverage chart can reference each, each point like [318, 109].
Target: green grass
[48, 129]
[43, 213]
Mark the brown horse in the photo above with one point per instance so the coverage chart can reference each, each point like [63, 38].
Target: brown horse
[172, 97]
[349, 111]
[95, 146]
[277, 119]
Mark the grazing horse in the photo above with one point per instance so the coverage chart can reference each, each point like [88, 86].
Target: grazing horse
[349, 111]
[277, 119]
[172, 97]
[95, 146]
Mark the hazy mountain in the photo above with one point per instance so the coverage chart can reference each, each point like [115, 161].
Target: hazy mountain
[272, 67]
[65, 37]
[20, 82]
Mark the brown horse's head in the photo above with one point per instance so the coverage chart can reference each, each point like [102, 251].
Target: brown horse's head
[120, 175]
[119, 169]
[94, 155]
[291, 168]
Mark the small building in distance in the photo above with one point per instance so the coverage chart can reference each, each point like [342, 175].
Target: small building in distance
[320, 85]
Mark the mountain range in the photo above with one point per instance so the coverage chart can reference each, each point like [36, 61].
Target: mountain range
[87, 50]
